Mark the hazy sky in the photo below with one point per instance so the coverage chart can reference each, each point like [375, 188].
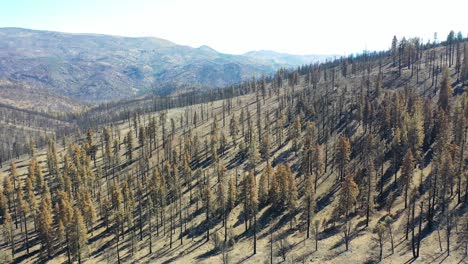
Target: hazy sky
[237, 26]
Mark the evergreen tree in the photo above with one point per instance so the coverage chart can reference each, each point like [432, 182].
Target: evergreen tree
[295, 133]
[130, 145]
[8, 192]
[265, 148]
[380, 231]
[232, 194]
[64, 211]
[89, 211]
[24, 213]
[8, 233]
[251, 204]
[416, 131]
[407, 173]
[394, 50]
[445, 91]
[46, 226]
[464, 71]
[342, 156]
[79, 237]
[264, 184]
[346, 201]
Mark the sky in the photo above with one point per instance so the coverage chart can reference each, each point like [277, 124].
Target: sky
[238, 26]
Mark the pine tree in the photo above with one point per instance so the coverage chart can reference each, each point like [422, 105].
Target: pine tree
[347, 196]
[445, 91]
[214, 148]
[388, 224]
[346, 201]
[65, 214]
[264, 184]
[396, 149]
[368, 190]
[32, 147]
[89, 211]
[273, 191]
[79, 237]
[89, 136]
[52, 158]
[295, 133]
[378, 85]
[46, 226]
[8, 192]
[232, 194]
[3, 204]
[245, 200]
[107, 152]
[8, 233]
[343, 151]
[316, 232]
[233, 128]
[32, 169]
[253, 153]
[221, 200]
[60, 233]
[380, 231]
[464, 72]
[407, 173]
[142, 136]
[39, 177]
[265, 148]
[416, 130]
[130, 144]
[24, 213]
[394, 50]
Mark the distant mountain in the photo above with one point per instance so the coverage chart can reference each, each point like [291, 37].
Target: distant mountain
[97, 68]
[283, 59]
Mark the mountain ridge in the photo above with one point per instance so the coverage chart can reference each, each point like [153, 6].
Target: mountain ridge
[99, 68]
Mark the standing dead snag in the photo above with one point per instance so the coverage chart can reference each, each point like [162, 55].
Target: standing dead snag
[367, 191]
[207, 200]
[309, 202]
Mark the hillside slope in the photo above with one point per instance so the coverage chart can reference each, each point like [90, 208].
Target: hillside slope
[171, 186]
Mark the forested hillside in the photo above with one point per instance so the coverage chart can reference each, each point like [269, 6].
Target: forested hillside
[357, 160]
